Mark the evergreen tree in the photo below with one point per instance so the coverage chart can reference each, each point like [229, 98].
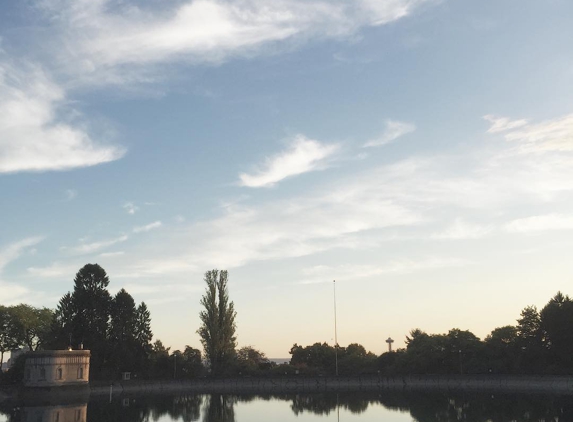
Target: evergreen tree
[142, 336]
[62, 323]
[218, 327]
[122, 341]
[90, 305]
[557, 328]
[143, 333]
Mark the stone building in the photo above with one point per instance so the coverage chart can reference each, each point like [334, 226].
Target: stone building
[55, 368]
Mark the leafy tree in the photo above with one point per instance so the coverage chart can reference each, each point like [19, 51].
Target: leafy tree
[160, 366]
[192, 365]
[33, 325]
[465, 352]
[501, 349]
[427, 354]
[319, 356]
[217, 330]
[251, 360]
[9, 333]
[530, 356]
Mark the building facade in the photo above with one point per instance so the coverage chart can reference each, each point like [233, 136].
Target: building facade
[53, 368]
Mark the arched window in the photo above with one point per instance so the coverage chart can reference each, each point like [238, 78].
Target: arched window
[59, 373]
[42, 373]
[80, 373]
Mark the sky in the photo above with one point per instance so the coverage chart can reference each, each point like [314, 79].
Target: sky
[418, 152]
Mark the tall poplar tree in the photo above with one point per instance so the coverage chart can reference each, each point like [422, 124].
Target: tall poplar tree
[218, 327]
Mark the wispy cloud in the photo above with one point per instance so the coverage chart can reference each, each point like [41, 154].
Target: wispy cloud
[13, 293]
[14, 250]
[502, 124]
[88, 248]
[539, 223]
[112, 254]
[54, 270]
[302, 156]
[393, 131]
[461, 229]
[130, 208]
[555, 135]
[71, 194]
[101, 37]
[32, 135]
[148, 227]
[325, 273]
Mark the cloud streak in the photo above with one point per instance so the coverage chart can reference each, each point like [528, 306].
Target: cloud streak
[555, 135]
[538, 223]
[393, 131]
[13, 293]
[32, 135]
[302, 156]
[348, 272]
[88, 248]
[148, 227]
[105, 37]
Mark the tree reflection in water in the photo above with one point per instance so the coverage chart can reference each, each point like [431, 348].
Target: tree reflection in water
[219, 408]
[422, 406]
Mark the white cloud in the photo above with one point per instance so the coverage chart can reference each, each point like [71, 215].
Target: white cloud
[555, 135]
[393, 131]
[111, 254]
[130, 208]
[103, 36]
[15, 250]
[55, 270]
[13, 293]
[88, 248]
[502, 124]
[350, 272]
[33, 137]
[539, 223]
[461, 229]
[302, 156]
[148, 227]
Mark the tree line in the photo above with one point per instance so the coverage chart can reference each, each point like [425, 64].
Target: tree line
[118, 333]
[540, 343]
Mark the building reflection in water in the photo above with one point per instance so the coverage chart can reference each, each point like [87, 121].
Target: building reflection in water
[68, 413]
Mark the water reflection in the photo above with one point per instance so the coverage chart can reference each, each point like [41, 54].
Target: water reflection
[422, 407]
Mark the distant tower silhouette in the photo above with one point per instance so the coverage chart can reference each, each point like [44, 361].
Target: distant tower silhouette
[389, 341]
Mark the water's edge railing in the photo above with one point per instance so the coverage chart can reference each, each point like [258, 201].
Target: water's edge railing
[493, 383]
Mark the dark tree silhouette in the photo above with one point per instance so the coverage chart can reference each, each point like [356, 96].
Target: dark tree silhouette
[217, 330]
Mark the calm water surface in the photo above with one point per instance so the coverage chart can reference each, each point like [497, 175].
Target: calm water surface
[349, 407]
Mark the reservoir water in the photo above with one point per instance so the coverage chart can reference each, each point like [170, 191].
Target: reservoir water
[387, 406]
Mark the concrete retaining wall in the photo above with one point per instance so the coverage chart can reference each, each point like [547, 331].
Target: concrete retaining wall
[530, 384]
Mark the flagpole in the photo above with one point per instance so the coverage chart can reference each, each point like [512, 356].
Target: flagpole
[335, 331]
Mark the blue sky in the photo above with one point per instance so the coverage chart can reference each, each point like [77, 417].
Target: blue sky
[420, 152]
